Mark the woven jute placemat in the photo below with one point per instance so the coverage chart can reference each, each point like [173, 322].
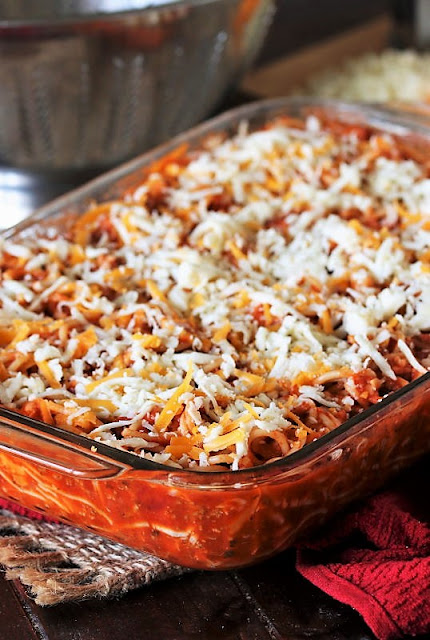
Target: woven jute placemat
[59, 563]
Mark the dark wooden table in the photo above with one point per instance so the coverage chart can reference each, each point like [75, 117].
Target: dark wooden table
[269, 601]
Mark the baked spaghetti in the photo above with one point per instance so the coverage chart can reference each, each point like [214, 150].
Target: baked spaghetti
[244, 300]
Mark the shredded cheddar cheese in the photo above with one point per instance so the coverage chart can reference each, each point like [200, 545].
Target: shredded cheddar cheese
[222, 333]
[173, 404]
[48, 374]
[113, 376]
[147, 340]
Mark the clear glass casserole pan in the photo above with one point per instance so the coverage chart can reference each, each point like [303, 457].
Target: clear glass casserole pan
[213, 520]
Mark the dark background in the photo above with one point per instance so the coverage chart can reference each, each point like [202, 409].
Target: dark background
[299, 23]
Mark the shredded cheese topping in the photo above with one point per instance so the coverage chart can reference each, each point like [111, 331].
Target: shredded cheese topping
[247, 298]
[376, 77]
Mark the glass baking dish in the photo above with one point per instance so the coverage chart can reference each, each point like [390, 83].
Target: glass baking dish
[214, 520]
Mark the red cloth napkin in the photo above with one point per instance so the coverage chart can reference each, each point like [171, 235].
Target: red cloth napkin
[23, 511]
[377, 560]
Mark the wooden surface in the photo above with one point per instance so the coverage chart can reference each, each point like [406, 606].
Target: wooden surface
[270, 601]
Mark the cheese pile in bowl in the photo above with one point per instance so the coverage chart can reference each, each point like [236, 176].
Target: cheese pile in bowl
[386, 77]
[244, 300]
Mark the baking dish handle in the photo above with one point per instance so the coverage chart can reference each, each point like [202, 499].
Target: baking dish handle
[51, 451]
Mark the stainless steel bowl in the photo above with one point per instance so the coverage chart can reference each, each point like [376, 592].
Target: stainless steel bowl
[87, 84]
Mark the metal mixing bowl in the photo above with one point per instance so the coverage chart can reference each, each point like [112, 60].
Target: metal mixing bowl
[89, 83]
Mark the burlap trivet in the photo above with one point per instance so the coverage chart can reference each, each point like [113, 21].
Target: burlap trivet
[59, 563]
